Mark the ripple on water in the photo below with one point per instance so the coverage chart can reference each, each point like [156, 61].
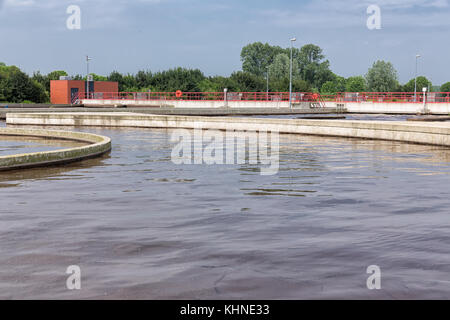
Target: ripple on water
[142, 227]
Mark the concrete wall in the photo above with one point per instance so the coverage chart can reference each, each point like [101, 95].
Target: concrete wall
[352, 107]
[391, 107]
[414, 132]
[96, 145]
[187, 104]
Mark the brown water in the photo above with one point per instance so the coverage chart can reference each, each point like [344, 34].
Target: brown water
[10, 145]
[142, 227]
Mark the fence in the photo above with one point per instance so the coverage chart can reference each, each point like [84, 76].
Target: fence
[297, 97]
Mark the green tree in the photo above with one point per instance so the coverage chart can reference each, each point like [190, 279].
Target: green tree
[54, 75]
[312, 66]
[186, 80]
[38, 94]
[96, 77]
[117, 77]
[280, 68]
[355, 84]
[17, 87]
[247, 82]
[257, 57]
[219, 83]
[382, 77]
[445, 87]
[422, 82]
[329, 87]
[336, 85]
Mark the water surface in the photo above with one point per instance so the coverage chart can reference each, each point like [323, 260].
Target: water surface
[142, 227]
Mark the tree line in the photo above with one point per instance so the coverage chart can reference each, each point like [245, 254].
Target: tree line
[263, 67]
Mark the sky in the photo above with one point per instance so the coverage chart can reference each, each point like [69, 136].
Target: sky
[133, 35]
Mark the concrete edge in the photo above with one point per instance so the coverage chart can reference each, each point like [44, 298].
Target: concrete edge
[97, 146]
[418, 132]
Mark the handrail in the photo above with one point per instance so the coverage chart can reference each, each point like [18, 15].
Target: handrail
[341, 97]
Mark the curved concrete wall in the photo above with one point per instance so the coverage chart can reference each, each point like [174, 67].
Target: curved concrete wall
[413, 132]
[96, 145]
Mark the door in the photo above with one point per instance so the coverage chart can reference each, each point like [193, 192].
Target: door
[73, 95]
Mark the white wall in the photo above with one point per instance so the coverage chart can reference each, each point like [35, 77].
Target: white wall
[357, 107]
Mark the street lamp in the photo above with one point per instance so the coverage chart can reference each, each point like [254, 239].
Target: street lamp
[267, 83]
[290, 74]
[87, 76]
[415, 79]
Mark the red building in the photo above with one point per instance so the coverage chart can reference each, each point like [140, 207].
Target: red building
[68, 91]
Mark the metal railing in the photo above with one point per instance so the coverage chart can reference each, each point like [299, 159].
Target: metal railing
[297, 97]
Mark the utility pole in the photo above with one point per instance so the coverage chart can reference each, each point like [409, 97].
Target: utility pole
[290, 74]
[415, 79]
[87, 76]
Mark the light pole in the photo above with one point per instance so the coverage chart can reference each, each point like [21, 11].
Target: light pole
[290, 74]
[87, 76]
[415, 79]
[267, 83]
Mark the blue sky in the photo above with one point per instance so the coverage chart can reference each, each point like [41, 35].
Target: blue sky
[129, 35]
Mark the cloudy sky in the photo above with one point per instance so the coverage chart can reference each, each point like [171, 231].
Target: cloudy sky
[129, 35]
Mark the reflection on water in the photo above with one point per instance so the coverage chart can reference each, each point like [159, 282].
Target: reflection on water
[142, 227]
[10, 145]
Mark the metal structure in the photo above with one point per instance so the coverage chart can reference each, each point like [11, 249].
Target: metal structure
[298, 97]
[415, 78]
[87, 74]
[290, 74]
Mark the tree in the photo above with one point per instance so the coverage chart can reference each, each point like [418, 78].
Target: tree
[96, 77]
[445, 87]
[329, 87]
[422, 82]
[144, 79]
[257, 57]
[280, 68]
[382, 77]
[312, 66]
[38, 94]
[17, 87]
[186, 80]
[355, 84]
[218, 84]
[332, 87]
[117, 77]
[247, 82]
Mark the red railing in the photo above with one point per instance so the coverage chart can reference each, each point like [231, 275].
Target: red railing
[375, 97]
[391, 97]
